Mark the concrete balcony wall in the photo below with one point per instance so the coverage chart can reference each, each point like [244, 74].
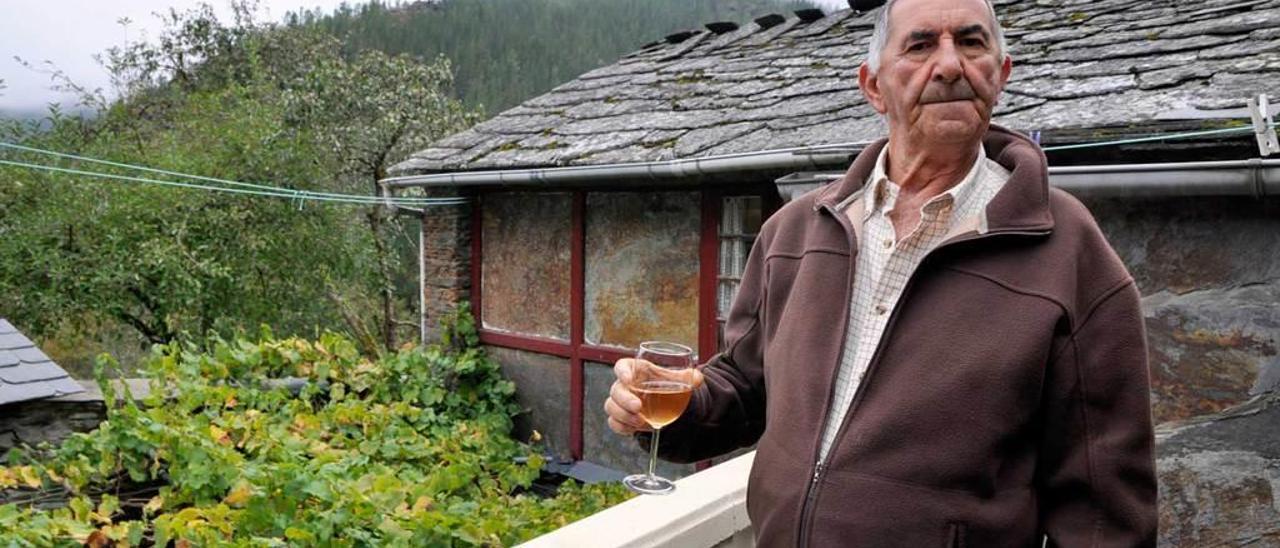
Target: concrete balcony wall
[707, 509]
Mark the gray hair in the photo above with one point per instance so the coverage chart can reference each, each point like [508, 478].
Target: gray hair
[880, 36]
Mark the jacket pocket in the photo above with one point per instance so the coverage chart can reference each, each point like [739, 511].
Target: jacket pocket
[956, 533]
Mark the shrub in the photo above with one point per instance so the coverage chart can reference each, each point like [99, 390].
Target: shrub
[411, 449]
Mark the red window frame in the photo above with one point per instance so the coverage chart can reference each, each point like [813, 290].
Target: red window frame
[577, 350]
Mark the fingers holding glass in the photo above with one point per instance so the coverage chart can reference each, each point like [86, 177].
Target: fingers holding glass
[662, 379]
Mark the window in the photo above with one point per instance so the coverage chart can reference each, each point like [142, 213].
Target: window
[740, 220]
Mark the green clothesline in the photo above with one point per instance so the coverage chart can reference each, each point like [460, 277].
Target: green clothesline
[234, 187]
[277, 193]
[237, 187]
[1148, 139]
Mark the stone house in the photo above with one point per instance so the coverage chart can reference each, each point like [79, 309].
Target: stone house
[28, 379]
[619, 207]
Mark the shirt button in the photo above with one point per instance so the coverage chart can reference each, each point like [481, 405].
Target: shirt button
[880, 310]
[888, 243]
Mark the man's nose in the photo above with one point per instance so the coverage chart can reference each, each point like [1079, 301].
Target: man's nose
[946, 65]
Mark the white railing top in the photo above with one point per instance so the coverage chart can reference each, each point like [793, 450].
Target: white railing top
[707, 509]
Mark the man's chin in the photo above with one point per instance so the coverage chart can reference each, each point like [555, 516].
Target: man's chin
[953, 130]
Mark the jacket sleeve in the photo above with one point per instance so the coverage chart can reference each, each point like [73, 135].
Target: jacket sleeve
[1096, 476]
[727, 411]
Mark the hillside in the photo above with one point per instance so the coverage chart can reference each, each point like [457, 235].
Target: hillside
[506, 51]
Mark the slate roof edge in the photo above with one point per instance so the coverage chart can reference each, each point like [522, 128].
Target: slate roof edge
[809, 157]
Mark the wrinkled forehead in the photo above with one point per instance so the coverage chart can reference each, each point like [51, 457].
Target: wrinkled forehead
[936, 17]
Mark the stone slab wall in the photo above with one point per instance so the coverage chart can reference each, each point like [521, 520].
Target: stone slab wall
[49, 420]
[1220, 477]
[1209, 271]
[446, 249]
[542, 390]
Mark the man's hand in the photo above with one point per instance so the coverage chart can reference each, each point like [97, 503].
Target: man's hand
[623, 406]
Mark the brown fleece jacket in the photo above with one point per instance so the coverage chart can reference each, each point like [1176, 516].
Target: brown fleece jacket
[1008, 398]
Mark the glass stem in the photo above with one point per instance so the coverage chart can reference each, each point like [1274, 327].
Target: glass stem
[653, 451]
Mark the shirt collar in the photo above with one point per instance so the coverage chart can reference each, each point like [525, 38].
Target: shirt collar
[881, 193]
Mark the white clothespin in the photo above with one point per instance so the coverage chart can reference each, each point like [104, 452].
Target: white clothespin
[1264, 126]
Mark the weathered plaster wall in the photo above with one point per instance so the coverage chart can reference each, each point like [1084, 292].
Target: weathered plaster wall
[642, 267]
[525, 271]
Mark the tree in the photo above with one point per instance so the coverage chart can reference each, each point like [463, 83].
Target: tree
[507, 51]
[370, 112]
[249, 102]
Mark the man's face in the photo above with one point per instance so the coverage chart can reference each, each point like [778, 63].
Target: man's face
[940, 74]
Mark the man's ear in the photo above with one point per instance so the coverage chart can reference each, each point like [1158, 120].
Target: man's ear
[870, 85]
[1006, 69]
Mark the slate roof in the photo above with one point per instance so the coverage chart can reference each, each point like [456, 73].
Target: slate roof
[791, 81]
[26, 373]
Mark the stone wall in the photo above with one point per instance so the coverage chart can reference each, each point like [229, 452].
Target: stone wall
[1220, 477]
[1209, 270]
[48, 420]
[446, 249]
[51, 420]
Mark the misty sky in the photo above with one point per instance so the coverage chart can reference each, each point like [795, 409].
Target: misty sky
[70, 32]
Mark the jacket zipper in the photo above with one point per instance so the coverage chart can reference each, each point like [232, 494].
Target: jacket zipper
[811, 490]
[820, 467]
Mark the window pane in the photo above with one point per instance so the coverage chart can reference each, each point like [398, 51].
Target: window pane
[726, 250]
[642, 267]
[739, 258]
[740, 221]
[725, 298]
[525, 268]
[752, 215]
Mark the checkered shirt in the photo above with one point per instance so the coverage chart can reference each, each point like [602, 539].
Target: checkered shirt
[884, 265]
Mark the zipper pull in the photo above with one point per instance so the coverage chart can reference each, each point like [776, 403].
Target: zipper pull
[817, 472]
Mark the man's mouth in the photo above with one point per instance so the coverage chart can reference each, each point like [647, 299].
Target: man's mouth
[960, 90]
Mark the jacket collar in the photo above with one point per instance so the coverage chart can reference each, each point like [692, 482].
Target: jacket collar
[1021, 205]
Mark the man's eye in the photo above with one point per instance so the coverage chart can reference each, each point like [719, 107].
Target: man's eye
[918, 46]
[973, 43]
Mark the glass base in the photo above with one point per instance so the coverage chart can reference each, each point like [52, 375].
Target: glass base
[649, 485]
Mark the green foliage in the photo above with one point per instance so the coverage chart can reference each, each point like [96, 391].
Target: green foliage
[249, 102]
[411, 450]
[507, 51]
[166, 261]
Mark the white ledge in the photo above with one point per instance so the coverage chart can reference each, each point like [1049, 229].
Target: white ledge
[707, 509]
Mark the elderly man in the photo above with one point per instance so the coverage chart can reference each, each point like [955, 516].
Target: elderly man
[937, 349]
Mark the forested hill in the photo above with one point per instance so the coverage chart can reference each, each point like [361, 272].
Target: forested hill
[507, 51]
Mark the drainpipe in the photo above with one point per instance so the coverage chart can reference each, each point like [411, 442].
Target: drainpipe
[1257, 178]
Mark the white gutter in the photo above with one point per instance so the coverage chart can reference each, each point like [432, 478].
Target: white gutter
[1256, 177]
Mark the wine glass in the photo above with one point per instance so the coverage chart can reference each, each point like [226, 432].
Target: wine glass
[662, 379]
